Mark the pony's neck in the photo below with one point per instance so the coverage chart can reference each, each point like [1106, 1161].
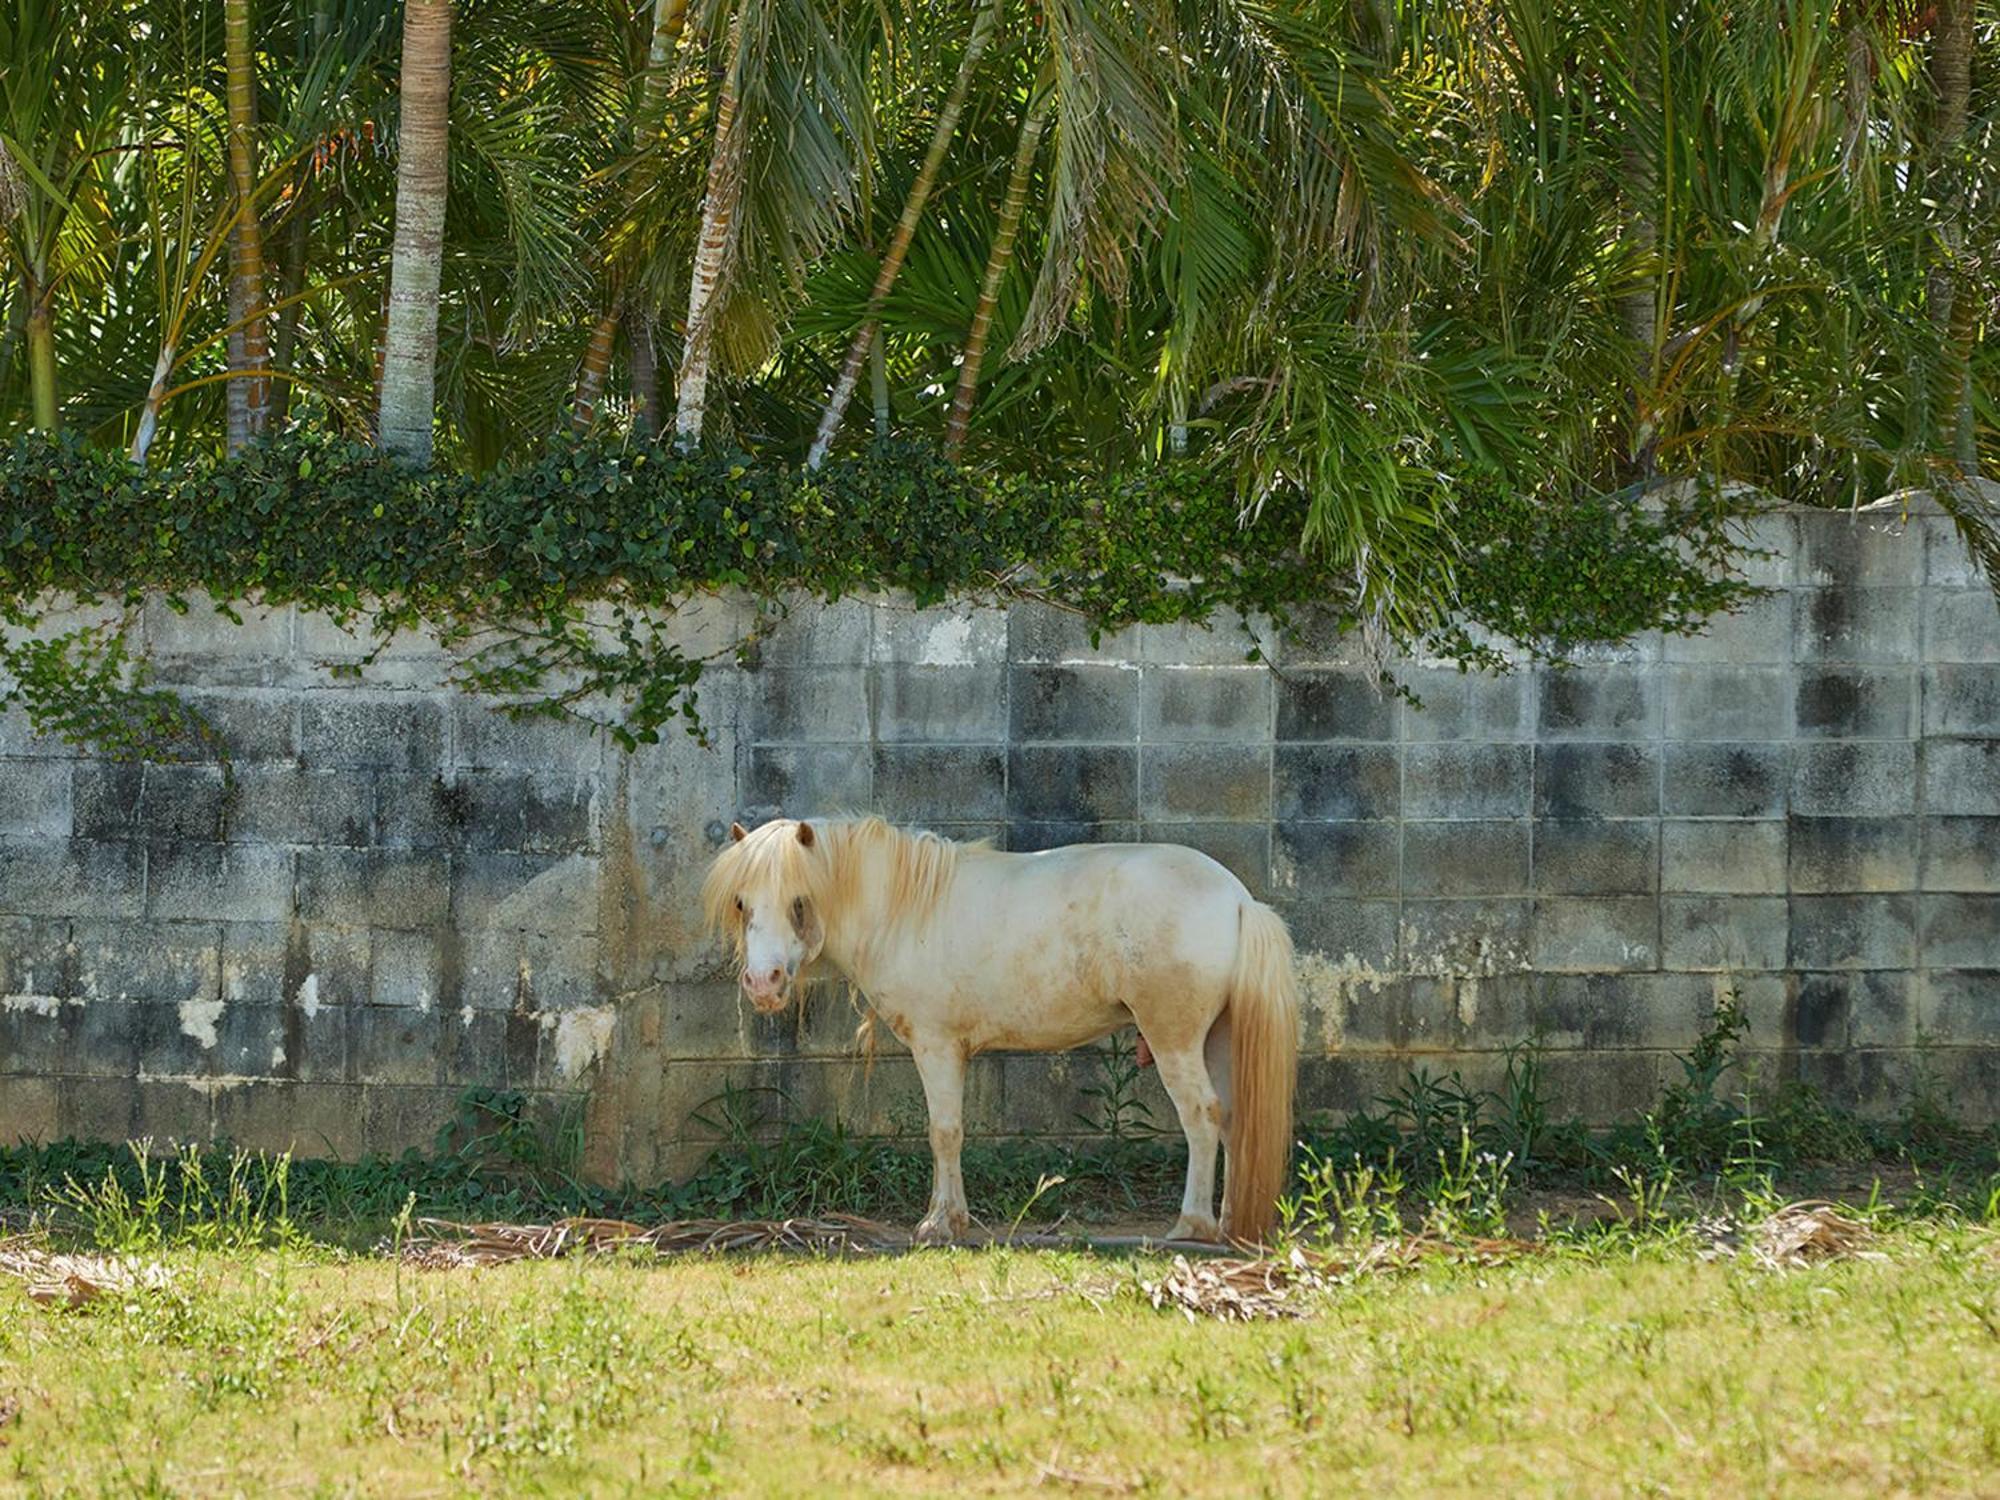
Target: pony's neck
[865, 869]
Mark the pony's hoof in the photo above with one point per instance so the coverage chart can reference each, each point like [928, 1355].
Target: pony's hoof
[942, 1228]
[1186, 1228]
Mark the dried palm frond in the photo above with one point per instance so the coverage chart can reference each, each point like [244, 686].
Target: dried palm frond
[1268, 1286]
[445, 1245]
[1811, 1230]
[73, 1280]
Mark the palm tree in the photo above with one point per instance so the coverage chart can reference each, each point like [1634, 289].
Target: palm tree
[410, 345]
[250, 347]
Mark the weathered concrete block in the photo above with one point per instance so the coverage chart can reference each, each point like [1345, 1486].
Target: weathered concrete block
[1201, 782]
[1718, 780]
[1961, 625]
[1361, 934]
[43, 879]
[306, 1119]
[1594, 1012]
[203, 646]
[1228, 704]
[287, 805]
[35, 798]
[808, 780]
[1856, 624]
[1027, 836]
[483, 737]
[176, 802]
[172, 1040]
[1466, 780]
[100, 1039]
[1725, 933]
[1962, 700]
[1464, 858]
[1072, 784]
[917, 783]
[1759, 631]
[1044, 633]
[1856, 703]
[1597, 703]
[1841, 548]
[1859, 780]
[1715, 701]
[1853, 932]
[32, 1034]
[1317, 861]
[168, 961]
[945, 635]
[1853, 1009]
[1609, 1086]
[1592, 856]
[1454, 705]
[28, 1111]
[823, 703]
[97, 1109]
[474, 1049]
[396, 1117]
[1955, 1007]
[403, 732]
[1243, 849]
[257, 726]
[105, 799]
[395, 1044]
[402, 888]
[1466, 938]
[932, 703]
[530, 811]
[1962, 777]
[499, 969]
[811, 633]
[404, 968]
[1831, 855]
[36, 960]
[250, 1042]
[1336, 781]
[1223, 641]
[1323, 704]
[1741, 857]
[218, 882]
[1962, 931]
[1091, 702]
[525, 892]
[1597, 781]
[1960, 854]
[1597, 932]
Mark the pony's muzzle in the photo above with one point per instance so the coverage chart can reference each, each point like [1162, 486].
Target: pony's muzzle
[769, 991]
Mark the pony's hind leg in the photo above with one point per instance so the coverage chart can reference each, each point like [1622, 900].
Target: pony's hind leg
[1216, 1054]
[1184, 1072]
[941, 1066]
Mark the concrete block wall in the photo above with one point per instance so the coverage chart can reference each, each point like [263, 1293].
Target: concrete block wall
[395, 893]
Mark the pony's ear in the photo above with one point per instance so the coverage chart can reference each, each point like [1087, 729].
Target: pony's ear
[806, 834]
[736, 832]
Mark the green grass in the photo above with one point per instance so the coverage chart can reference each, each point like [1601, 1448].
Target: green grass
[1615, 1363]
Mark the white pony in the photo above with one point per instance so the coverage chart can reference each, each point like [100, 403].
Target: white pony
[961, 948]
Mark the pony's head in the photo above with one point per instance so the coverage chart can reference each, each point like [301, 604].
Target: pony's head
[767, 890]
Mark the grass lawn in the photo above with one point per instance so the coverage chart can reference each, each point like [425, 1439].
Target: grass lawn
[1635, 1366]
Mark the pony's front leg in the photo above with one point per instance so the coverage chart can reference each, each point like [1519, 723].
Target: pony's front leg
[1185, 1075]
[941, 1066]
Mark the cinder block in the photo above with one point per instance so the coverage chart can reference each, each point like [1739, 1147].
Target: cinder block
[1028, 837]
[1091, 702]
[1961, 854]
[807, 705]
[1948, 562]
[1604, 1088]
[346, 729]
[250, 1042]
[1725, 933]
[1223, 640]
[1853, 932]
[1856, 624]
[218, 882]
[1739, 857]
[1464, 858]
[1853, 1009]
[1355, 933]
[169, 961]
[1462, 938]
[1962, 777]
[28, 1111]
[1466, 780]
[106, 799]
[474, 1048]
[315, 1045]
[35, 798]
[101, 1038]
[934, 704]
[1854, 780]
[404, 968]
[395, 1044]
[945, 635]
[482, 735]
[1204, 782]
[1840, 548]
[1336, 781]
[1597, 703]
[36, 959]
[204, 646]
[164, 1038]
[1833, 855]
[530, 811]
[915, 783]
[1719, 701]
[310, 1120]
[97, 1109]
[809, 780]
[1961, 625]
[1323, 704]
[1597, 932]
[1597, 781]
[1856, 703]
[415, 809]
[1226, 704]
[1758, 631]
[400, 888]
[1725, 780]
[525, 971]
[256, 726]
[183, 803]
[32, 1035]
[812, 633]
[1453, 705]
[1955, 1007]
[286, 805]
[1962, 931]
[1044, 633]
[1962, 700]
[1594, 857]
[1243, 849]
[40, 878]
[1319, 861]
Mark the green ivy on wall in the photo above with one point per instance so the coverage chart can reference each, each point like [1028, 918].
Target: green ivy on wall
[558, 580]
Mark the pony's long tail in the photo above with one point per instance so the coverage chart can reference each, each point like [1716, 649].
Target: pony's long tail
[1264, 1070]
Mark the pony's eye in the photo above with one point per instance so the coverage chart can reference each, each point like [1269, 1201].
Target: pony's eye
[799, 910]
[739, 905]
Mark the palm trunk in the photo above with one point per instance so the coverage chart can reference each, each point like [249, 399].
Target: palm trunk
[1948, 295]
[156, 394]
[712, 250]
[1638, 307]
[590, 379]
[878, 388]
[645, 374]
[997, 261]
[41, 356]
[906, 228]
[409, 358]
[250, 351]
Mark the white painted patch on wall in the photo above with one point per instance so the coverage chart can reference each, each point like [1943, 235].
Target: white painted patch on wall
[582, 1036]
[309, 995]
[949, 643]
[198, 1018]
[34, 1004]
[1329, 988]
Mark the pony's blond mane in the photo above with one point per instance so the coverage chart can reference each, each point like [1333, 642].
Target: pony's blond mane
[829, 871]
